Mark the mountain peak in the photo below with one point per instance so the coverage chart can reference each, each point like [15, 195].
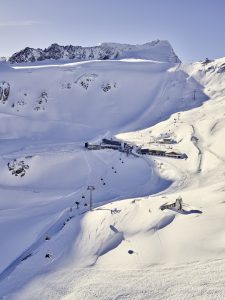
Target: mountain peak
[156, 50]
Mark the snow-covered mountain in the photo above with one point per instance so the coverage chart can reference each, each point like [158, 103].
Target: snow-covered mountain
[52, 245]
[156, 50]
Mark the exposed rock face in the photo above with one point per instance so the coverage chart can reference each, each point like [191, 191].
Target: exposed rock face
[18, 167]
[86, 80]
[106, 87]
[42, 100]
[56, 52]
[156, 50]
[4, 91]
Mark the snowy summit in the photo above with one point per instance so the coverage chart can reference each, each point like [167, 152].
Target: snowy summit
[156, 50]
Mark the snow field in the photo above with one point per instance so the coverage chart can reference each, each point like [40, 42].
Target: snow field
[126, 247]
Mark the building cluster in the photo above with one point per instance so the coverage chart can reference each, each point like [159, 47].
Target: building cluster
[177, 205]
[110, 144]
[132, 149]
[155, 152]
[166, 140]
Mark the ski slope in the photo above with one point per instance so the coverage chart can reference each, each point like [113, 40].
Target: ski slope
[126, 248]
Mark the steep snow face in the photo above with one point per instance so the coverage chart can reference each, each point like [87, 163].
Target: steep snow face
[79, 101]
[156, 50]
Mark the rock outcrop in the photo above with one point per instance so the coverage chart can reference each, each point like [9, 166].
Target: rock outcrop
[156, 50]
[4, 91]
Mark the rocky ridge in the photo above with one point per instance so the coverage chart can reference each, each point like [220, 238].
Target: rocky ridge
[156, 50]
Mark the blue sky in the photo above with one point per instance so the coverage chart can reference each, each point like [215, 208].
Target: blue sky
[193, 27]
